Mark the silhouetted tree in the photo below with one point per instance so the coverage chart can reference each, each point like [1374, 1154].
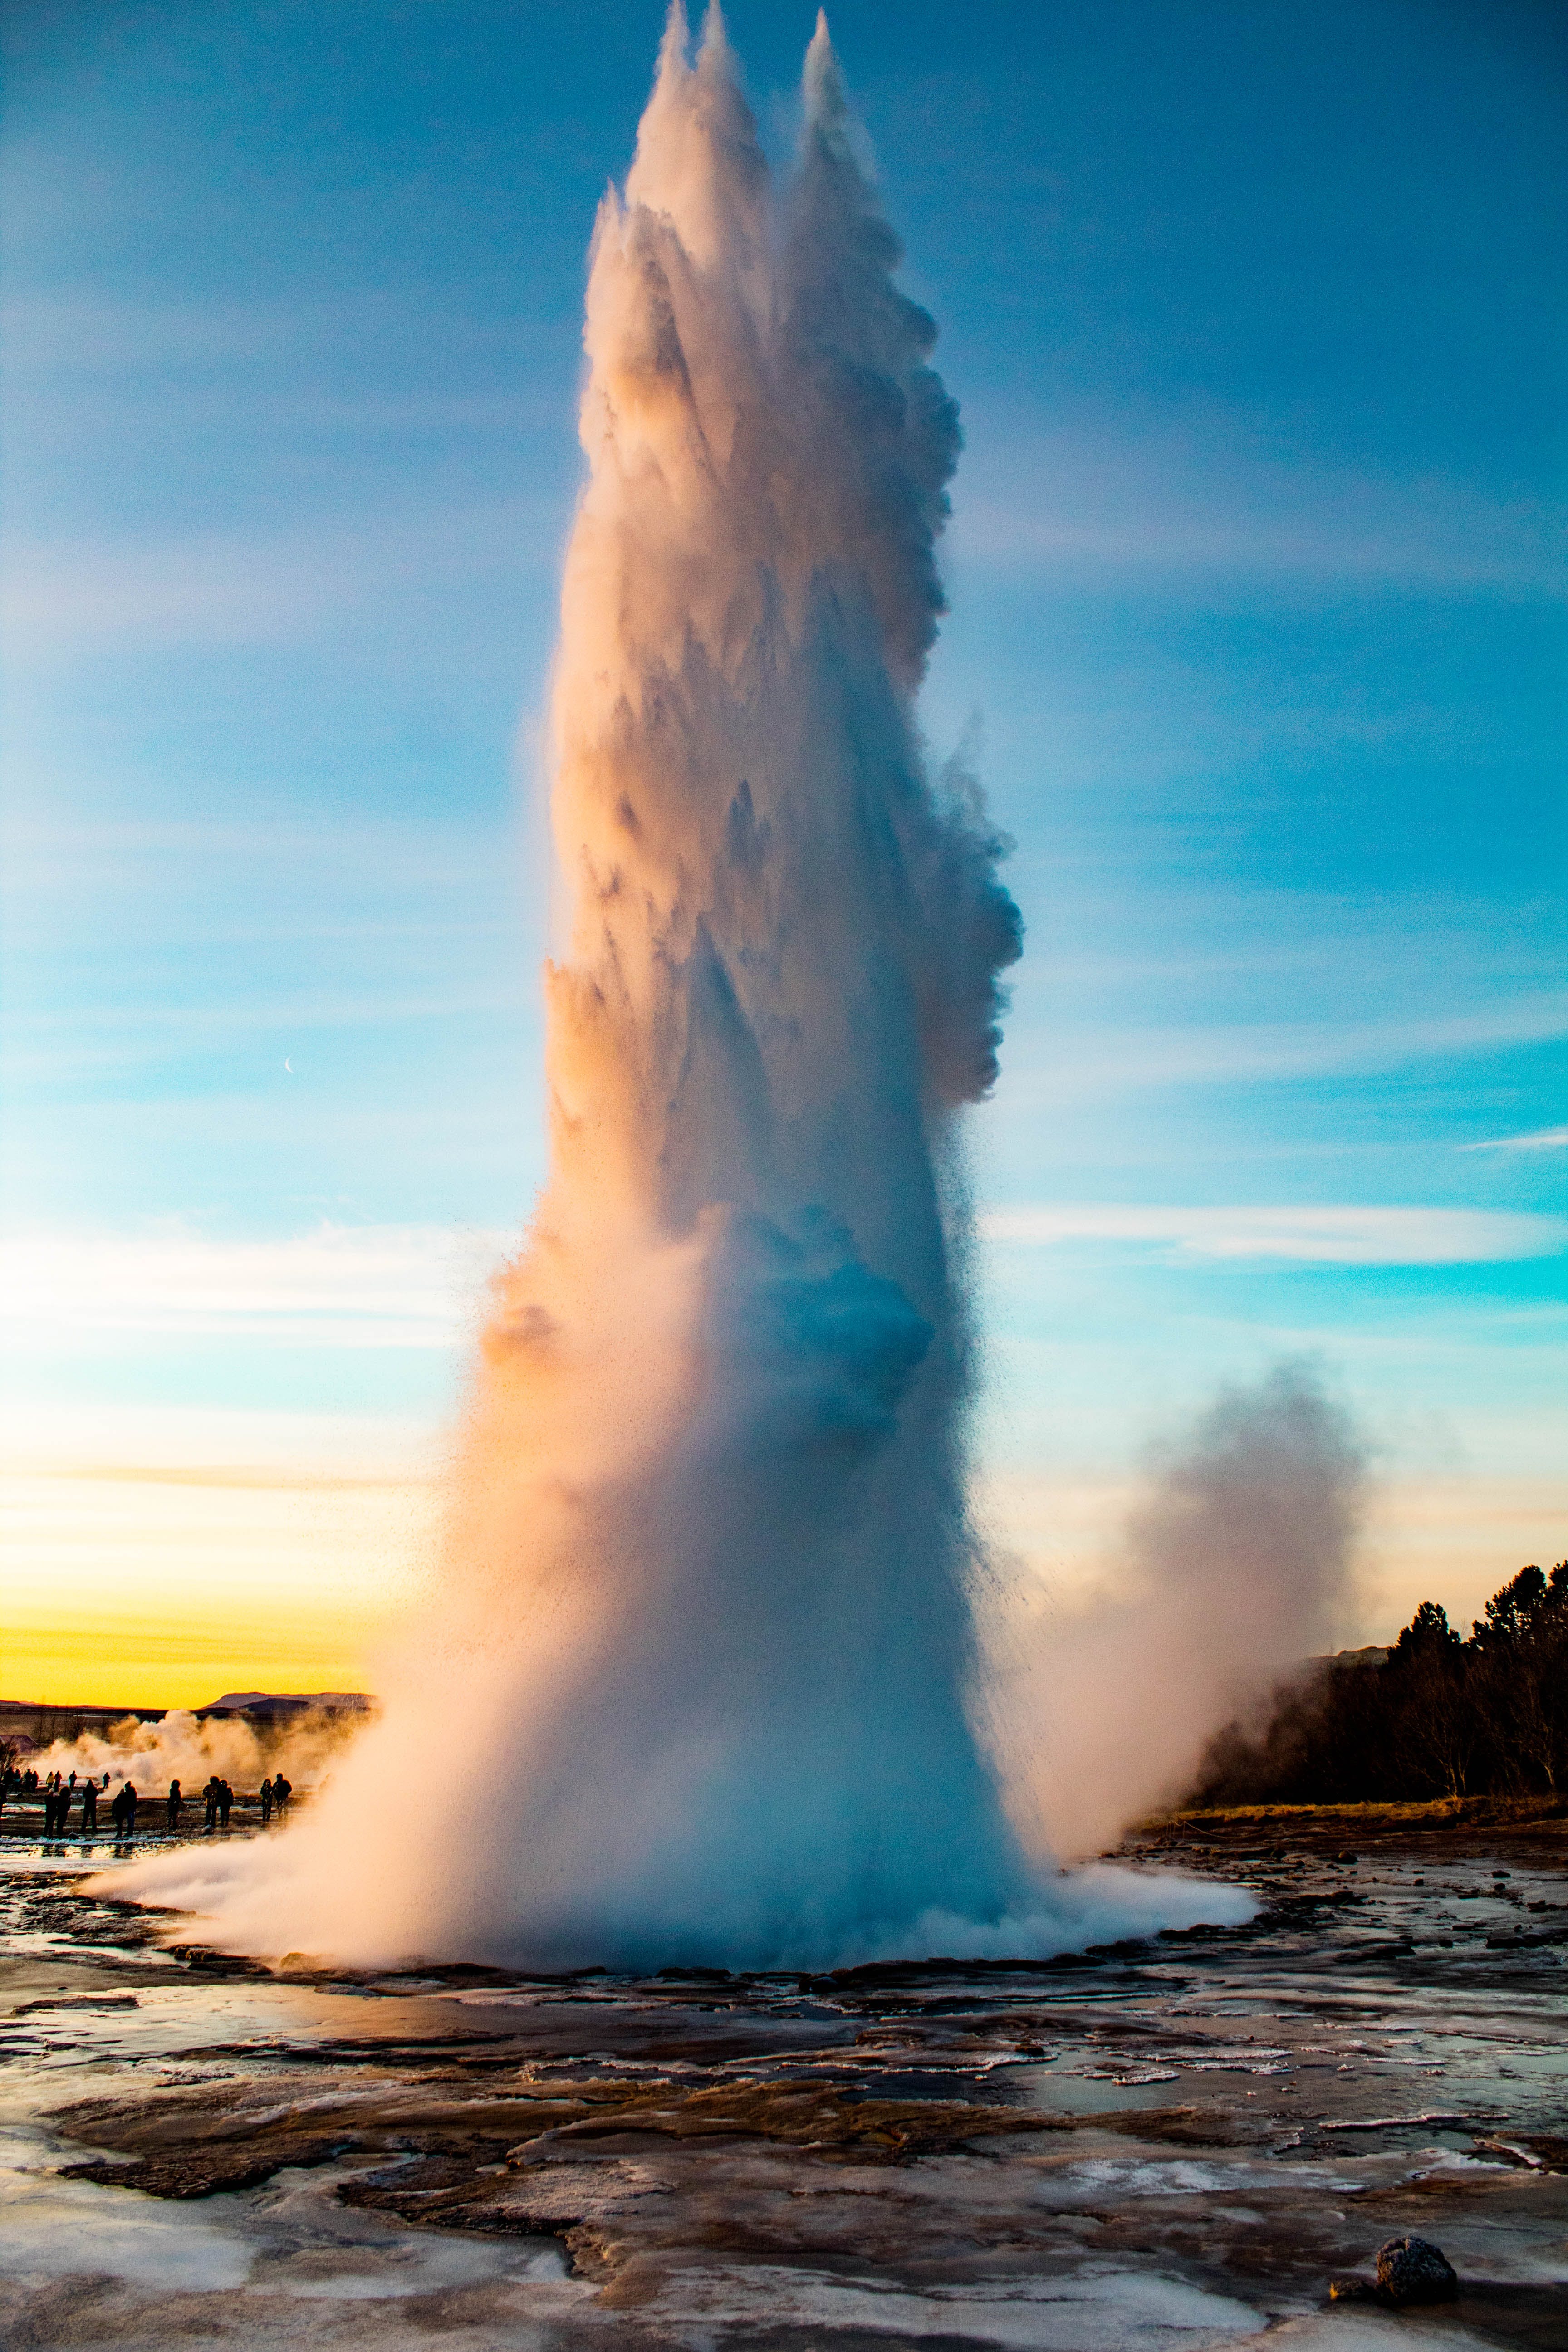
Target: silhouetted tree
[1522, 1654]
[1434, 1718]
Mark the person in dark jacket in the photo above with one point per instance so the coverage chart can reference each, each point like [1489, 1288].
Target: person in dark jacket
[224, 1800]
[90, 1809]
[123, 1810]
[174, 1807]
[265, 1792]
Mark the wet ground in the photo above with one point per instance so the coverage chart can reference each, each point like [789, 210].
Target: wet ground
[1176, 2143]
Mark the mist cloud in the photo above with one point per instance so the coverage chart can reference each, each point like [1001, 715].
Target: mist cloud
[1233, 1568]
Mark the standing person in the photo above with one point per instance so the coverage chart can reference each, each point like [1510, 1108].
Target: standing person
[282, 1790]
[224, 1800]
[89, 1808]
[266, 1794]
[173, 1809]
[209, 1800]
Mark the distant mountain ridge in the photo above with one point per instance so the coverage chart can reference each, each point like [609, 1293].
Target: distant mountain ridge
[289, 1702]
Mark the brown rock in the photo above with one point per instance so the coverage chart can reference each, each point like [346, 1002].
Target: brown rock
[1413, 2270]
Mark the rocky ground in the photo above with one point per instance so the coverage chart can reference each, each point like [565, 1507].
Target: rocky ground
[1179, 2142]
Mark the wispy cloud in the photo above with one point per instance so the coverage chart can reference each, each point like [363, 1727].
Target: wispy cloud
[1318, 1236]
[339, 1287]
[52, 1436]
[55, 338]
[235, 1478]
[1241, 1053]
[230, 588]
[1544, 1138]
[81, 1046]
[1210, 496]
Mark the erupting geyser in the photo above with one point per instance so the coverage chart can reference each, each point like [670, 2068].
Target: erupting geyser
[699, 1684]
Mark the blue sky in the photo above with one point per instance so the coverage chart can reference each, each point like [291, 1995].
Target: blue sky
[1256, 317]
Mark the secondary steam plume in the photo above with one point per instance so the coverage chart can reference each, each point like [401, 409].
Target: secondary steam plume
[1237, 1568]
[186, 1748]
[705, 1623]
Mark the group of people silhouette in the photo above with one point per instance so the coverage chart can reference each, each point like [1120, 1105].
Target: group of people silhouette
[61, 1793]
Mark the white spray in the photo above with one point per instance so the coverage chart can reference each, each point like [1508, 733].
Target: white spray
[705, 1627]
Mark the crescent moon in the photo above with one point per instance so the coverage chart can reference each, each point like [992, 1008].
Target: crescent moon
[288, 1065]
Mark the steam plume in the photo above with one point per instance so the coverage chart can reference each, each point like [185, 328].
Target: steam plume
[1237, 1568]
[705, 1623]
[189, 1748]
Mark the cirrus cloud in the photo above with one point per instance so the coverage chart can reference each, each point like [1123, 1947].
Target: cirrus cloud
[1309, 1235]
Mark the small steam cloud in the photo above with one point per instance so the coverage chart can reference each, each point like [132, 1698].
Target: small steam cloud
[1236, 1569]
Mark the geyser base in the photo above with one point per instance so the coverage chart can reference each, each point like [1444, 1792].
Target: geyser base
[254, 1896]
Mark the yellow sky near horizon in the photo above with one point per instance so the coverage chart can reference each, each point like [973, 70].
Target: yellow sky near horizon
[153, 1587]
[165, 1587]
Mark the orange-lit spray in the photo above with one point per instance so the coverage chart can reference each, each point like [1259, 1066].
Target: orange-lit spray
[704, 1648]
